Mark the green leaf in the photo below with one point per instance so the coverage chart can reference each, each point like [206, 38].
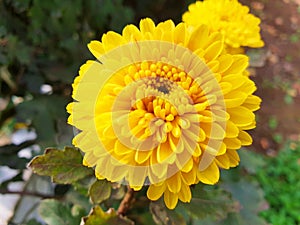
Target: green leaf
[82, 186]
[99, 191]
[250, 200]
[43, 112]
[142, 218]
[74, 197]
[251, 161]
[98, 217]
[13, 161]
[215, 204]
[8, 155]
[57, 213]
[64, 166]
[250, 196]
[163, 216]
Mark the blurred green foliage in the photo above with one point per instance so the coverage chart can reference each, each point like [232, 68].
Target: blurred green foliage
[44, 42]
[280, 180]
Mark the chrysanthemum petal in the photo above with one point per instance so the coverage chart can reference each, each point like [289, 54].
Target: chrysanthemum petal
[121, 149]
[142, 156]
[233, 143]
[235, 80]
[226, 87]
[112, 40]
[231, 130]
[154, 192]
[89, 159]
[234, 99]
[164, 152]
[147, 26]
[159, 170]
[174, 183]
[198, 38]
[170, 199]
[223, 161]
[239, 64]
[185, 194]
[210, 175]
[190, 177]
[96, 48]
[233, 157]
[225, 62]
[185, 163]
[245, 138]
[213, 50]
[241, 115]
[132, 33]
[137, 176]
[213, 130]
[252, 102]
[248, 127]
[180, 34]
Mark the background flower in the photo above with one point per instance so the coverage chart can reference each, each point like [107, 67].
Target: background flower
[231, 18]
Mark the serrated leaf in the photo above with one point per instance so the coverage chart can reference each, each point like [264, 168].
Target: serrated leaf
[163, 216]
[54, 212]
[215, 204]
[98, 217]
[64, 166]
[99, 191]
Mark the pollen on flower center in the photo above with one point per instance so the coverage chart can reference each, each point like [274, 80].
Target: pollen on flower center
[160, 75]
[158, 108]
[163, 85]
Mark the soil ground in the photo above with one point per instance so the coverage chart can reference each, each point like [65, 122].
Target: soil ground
[276, 71]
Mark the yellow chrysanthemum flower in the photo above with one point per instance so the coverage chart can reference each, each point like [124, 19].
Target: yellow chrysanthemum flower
[240, 28]
[163, 106]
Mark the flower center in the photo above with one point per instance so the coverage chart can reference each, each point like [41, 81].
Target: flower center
[163, 73]
[160, 105]
[161, 84]
[153, 109]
